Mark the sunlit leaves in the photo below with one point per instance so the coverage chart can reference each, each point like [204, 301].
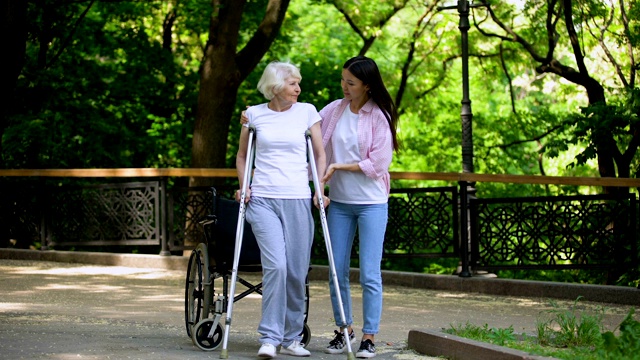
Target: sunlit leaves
[127, 98]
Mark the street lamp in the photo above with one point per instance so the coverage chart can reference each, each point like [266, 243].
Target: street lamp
[467, 189]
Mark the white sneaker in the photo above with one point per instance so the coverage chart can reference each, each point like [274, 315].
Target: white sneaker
[295, 349]
[267, 351]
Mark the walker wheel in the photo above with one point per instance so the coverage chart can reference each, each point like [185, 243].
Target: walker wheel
[306, 335]
[201, 338]
[197, 298]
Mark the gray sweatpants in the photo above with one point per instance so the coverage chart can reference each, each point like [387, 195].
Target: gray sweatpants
[284, 231]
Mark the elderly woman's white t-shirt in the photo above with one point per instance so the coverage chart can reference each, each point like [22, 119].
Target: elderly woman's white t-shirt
[281, 168]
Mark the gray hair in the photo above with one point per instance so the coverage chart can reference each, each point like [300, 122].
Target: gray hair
[274, 76]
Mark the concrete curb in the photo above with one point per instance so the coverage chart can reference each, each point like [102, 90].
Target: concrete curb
[509, 287]
[436, 343]
[96, 258]
[483, 285]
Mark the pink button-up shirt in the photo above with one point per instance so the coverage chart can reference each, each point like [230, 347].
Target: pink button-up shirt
[374, 138]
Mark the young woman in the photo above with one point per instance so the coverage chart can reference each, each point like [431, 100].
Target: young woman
[359, 136]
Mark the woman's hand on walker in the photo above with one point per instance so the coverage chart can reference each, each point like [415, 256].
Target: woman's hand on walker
[247, 195]
[325, 201]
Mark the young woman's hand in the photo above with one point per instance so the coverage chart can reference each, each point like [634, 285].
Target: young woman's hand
[328, 173]
[331, 169]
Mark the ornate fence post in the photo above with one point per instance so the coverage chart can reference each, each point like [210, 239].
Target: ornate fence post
[43, 196]
[464, 229]
[164, 229]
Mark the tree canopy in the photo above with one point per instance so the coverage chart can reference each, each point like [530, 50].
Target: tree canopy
[129, 83]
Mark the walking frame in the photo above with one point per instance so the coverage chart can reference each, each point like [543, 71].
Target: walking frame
[224, 354]
[327, 241]
[248, 166]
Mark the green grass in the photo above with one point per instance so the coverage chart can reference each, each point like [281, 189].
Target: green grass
[564, 334]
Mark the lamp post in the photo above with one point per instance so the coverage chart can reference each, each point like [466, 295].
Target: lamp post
[467, 189]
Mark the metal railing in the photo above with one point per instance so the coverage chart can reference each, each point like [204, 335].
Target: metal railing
[122, 214]
[579, 232]
[555, 232]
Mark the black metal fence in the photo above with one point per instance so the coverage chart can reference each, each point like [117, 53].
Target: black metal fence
[422, 223]
[559, 232]
[93, 215]
[555, 232]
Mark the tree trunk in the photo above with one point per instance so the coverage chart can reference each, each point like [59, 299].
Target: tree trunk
[223, 70]
[606, 148]
[216, 102]
[14, 24]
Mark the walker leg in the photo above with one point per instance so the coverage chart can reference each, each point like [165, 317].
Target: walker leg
[224, 354]
[327, 241]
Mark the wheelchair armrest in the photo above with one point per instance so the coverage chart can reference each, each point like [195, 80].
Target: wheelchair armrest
[209, 219]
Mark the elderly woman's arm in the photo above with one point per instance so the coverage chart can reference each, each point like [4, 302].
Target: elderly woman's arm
[241, 161]
[320, 159]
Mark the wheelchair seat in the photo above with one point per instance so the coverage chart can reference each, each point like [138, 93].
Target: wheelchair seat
[222, 239]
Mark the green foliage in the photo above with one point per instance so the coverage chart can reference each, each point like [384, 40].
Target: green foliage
[600, 129]
[568, 328]
[114, 89]
[634, 26]
[442, 266]
[501, 336]
[624, 346]
[470, 331]
[630, 278]
[565, 334]
[119, 95]
[597, 121]
[104, 99]
[497, 336]
[582, 276]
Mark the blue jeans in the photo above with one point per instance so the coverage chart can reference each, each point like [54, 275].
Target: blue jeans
[371, 222]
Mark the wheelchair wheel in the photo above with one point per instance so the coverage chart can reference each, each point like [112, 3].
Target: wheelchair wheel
[201, 336]
[197, 295]
[306, 335]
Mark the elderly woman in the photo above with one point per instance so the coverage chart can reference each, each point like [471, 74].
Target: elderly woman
[279, 203]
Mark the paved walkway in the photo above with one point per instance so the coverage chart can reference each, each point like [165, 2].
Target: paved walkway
[59, 310]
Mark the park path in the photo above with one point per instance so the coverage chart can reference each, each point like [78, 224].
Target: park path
[57, 310]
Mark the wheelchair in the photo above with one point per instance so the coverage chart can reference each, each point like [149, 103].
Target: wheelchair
[212, 260]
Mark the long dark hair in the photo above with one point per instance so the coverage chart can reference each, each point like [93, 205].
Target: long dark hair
[367, 71]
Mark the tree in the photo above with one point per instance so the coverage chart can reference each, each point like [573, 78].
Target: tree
[14, 22]
[367, 19]
[223, 70]
[103, 83]
[582, 28]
